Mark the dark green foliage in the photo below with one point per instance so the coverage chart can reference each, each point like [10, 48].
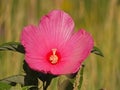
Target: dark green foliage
[31, 77]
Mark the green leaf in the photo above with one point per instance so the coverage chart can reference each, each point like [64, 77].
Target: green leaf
[65, 82]
[13, 80]
[19, 87]
[4, 86]
[16, 87]
[97, 51]
[27, 87]
[12, 46]
[81, 77]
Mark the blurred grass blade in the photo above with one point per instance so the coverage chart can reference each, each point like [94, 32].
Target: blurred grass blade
[12, 46]
[97, 51]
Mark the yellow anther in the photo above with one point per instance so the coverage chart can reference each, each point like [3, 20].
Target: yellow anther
[53, 58]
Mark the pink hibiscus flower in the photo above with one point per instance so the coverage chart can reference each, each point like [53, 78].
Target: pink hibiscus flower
[53, 47]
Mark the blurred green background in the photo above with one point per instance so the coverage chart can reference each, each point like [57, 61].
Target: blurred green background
[99, 17]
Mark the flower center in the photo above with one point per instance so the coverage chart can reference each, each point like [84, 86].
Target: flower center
[53, 58]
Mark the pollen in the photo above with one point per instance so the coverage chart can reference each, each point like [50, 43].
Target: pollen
[53, 58]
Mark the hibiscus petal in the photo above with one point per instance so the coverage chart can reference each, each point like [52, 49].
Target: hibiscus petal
[81, 43]
[35, 49]
[30, 40]
[57, 26]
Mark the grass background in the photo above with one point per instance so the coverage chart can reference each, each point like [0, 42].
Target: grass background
[99, 17]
